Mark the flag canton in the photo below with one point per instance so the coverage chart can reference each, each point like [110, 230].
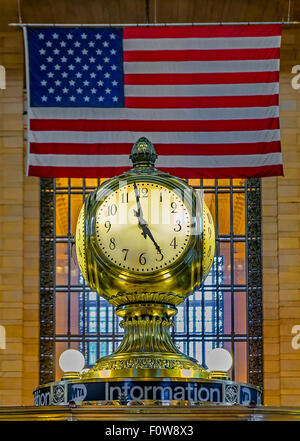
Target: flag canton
[76, 67]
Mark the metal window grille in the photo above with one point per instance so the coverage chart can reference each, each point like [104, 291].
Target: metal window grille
[226, 312]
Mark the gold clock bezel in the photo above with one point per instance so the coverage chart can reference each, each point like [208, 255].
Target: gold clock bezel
[161, 274]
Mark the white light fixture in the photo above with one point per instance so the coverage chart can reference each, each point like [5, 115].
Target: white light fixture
[218, 361]
[71, 363]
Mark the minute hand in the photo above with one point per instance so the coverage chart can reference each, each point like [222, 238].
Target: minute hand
[139, 212]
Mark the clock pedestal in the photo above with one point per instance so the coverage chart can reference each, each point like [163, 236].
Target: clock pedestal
[147, 350]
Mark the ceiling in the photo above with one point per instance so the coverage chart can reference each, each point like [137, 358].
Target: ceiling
[145, 11]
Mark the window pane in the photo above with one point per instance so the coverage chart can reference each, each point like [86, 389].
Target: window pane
[209, 182]
[227, 325]
[75, 312]
[238, 204]
[91, 182]
[194, 182]
[62, 263]
[224, 213]
[61, 316]
[62, 226]
[238, 182]
[225, 254]
[76, 182]
[240, 313]
[239, 263]
[223, 182]
[75, 271]
[62, 182]
[240, 362]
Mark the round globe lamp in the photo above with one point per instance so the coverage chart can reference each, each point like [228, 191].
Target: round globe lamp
[71, 363]
[219, 362]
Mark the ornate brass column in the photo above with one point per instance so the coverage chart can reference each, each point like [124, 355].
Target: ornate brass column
[147, 350]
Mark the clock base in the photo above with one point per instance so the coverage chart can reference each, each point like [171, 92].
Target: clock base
[147, 350]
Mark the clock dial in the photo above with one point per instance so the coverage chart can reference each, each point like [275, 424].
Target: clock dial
[143, 227]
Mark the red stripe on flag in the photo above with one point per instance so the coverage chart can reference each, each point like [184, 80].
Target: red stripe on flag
[202, 31]
[203, 78]
[107, 172]
[161, 149]
[91, 125]
[201, 102]
[202, 55]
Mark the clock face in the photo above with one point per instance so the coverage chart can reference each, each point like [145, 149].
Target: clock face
[143, 227]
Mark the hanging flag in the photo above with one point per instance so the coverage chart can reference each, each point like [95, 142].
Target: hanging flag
[205, 96]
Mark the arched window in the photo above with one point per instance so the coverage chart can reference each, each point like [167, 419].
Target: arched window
[226, 312]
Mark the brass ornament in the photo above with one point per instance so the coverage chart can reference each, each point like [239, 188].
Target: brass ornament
[145, 240]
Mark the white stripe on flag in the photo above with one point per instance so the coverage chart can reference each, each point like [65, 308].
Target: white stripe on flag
[163, 161]
[161, 44]
[156, 137]
[150, 67]
[196, 90]
[153, 114]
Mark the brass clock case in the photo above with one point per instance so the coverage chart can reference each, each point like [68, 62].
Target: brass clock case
[168, 285]
[146, 300]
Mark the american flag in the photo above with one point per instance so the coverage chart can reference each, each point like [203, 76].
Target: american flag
[207, 97]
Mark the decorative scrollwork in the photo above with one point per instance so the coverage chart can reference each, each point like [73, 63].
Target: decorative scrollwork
[160, 297]
[144, 363]
[254, 281]
[47, 281]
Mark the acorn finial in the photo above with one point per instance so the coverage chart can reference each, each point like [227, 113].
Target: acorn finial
[143, 153]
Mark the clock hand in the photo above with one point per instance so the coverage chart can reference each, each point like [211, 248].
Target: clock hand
[147, 232]
[139, 212]
[142, 222]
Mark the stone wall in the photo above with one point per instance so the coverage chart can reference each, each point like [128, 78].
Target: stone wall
[281, 244]
[19, 237]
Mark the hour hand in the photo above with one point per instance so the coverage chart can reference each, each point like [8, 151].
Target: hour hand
[147, 232]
